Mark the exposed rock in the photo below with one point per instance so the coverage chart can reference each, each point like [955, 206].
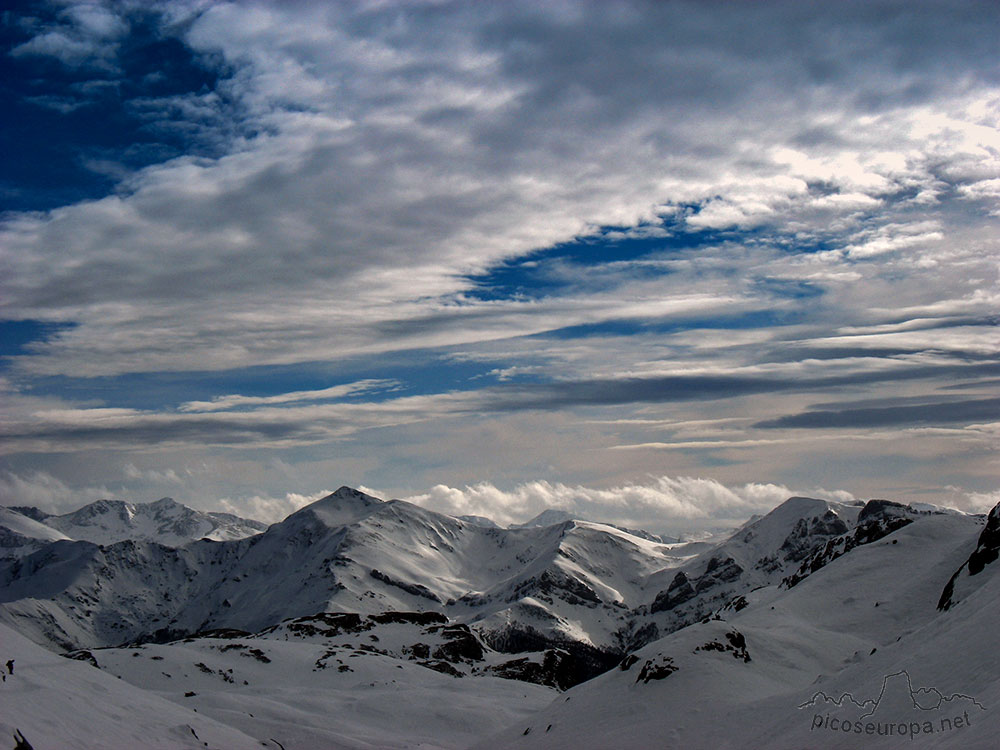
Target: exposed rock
[410, 588]
[736, 645]
[877, 519]
[657, 668]
[679, 591]
[987, 551]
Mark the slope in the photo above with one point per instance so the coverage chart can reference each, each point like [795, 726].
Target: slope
[865, 620]
[57, 703]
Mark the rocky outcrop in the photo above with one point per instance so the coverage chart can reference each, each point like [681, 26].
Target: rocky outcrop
[877, 520]
[986, 553]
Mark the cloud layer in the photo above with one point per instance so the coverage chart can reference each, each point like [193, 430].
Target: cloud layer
[654, 232]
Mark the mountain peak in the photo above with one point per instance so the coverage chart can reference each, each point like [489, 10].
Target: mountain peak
[548, 517]
[344, 506]
[350, 492]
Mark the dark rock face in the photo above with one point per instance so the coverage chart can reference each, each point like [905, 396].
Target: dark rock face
[627, 662]
[719, 570]
[462, 644]
[803, 538]
[558, 669]
[83, 655]
[441, 666]
[31, 512]
[327, 624]
[551, 584]
[410, 588]
[410, 618]
[881, 508]
[572, 662]
[877, 519]
[658, 668]
[679, 591]
[736, 644]
[987, 551]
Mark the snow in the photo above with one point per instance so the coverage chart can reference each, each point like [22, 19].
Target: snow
[58, 703]
[27, 527]
[164, 521]
[358, 699]
[824, 634]
[818, 609]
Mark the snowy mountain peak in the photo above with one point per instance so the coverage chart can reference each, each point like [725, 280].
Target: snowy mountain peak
[548, 517]
[345, 506]
[164, 521]
[346, 492]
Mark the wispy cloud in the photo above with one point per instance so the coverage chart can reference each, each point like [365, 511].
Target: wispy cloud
[224, 403]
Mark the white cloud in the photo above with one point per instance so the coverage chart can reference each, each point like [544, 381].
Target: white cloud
[222, 403]
[269, 509]
[46, 492]
[375, 155]
[88, 37]
[664, 505]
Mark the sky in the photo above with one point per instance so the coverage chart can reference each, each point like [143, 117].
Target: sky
[662, 264]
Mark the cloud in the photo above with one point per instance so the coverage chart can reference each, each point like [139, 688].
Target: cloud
[223, 403]
[269, 509]
[86, 35]
[976, 502]
[942, 412]
[368, 173]
[663, 505]
[46, 492]
[590, 211]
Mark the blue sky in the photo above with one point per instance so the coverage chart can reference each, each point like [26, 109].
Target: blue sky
[659, 263]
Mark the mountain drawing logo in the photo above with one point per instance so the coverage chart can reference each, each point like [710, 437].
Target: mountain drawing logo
[899, 710]
[921, 699]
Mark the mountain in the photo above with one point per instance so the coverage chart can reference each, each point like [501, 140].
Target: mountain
[554, 516]
[165, 521]
[572, 584]
[21, 534]
[360, 602]
[548, 517]
[834, 660]
[986, 553]
[588, 588]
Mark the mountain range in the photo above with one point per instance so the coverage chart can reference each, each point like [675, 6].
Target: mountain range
[355, 601]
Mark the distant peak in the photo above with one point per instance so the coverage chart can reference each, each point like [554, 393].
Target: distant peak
[548, 517]
[346, 492]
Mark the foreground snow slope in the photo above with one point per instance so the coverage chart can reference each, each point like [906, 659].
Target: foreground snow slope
[338, 682]
[58, 703]
[777, 673]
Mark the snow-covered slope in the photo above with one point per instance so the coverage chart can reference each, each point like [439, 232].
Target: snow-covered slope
[57, 703]
[396, 680]
[21, 534]
[790, 668]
